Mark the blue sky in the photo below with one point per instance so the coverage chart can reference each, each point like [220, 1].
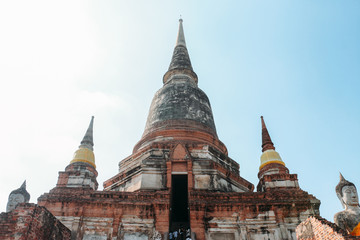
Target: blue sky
[297, 63]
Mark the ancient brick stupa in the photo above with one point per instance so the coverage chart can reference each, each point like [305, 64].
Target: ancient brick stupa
[179, 175]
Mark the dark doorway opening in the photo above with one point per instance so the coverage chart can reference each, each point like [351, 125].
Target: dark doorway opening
[179, 217]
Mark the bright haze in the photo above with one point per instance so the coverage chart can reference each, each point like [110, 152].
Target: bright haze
[297, 63]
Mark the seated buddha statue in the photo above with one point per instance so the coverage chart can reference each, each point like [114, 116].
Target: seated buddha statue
[349, 218]
[17, 196]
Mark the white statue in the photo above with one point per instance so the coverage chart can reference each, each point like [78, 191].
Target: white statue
[348, 219]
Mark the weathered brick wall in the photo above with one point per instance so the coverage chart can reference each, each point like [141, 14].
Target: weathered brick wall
[109, 214]
[30, 221]
[272, 215]
[213, 215]
[317, 228]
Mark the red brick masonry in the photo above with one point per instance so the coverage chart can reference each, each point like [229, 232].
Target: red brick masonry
[29, 221]
[318, 228]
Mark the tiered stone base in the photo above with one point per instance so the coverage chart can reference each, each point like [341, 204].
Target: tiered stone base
[213, 215]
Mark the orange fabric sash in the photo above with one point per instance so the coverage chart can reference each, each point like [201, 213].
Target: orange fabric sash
[356, 231]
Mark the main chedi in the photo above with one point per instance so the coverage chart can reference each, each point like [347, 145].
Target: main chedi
[180, 126]
[179, 174]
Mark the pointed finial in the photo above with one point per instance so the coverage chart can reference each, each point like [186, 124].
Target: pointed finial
[87, 141]
[181, 37]
[266, 140]
[180, 61]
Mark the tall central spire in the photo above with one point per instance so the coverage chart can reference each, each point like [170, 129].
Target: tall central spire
[181, 36]
[180, 63]
[180, 105]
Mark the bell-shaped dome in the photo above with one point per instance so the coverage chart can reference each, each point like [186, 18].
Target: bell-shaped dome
[270, 156]
[182, 101]
[84, 155]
